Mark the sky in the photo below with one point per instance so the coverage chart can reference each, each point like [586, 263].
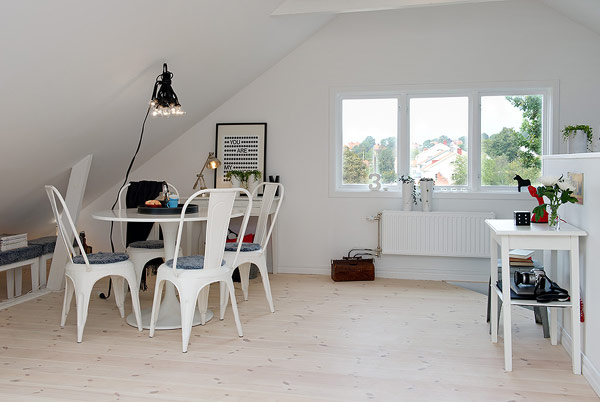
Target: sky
[429, 117]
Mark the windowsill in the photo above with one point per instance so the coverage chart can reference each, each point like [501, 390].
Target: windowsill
[465, 195]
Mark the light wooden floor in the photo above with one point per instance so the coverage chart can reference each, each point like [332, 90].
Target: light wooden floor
[388, 340]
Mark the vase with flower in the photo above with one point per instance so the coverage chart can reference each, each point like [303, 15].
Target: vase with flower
[558, 192]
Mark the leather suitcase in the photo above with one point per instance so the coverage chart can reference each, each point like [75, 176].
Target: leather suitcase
[352, 270]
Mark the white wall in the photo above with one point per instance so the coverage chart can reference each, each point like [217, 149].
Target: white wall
[587, 218]
[505, 41]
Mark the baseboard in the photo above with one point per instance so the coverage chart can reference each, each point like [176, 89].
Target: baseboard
[419, 273]
[22, 299]
[304, 270]
[589, 371]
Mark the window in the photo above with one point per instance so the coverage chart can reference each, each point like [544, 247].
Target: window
[511, 138]
[369, 132]
[467, 139]
[439, 131]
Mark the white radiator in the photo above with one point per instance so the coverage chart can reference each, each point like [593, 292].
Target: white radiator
[454, 234]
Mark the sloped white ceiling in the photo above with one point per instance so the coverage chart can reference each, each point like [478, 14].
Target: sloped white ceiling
[350, 6]
[585, 12]
[76, 78]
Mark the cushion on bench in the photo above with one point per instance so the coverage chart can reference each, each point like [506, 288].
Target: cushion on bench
[48, 243]
[102, 258]
[20, 254]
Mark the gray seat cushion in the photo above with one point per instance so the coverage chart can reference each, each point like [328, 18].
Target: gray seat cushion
[102, 258]
[20, 254]
[151, 244]
[245, 246]
[48, 243]
[190, 262]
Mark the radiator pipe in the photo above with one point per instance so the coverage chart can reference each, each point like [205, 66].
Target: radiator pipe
[378, 249]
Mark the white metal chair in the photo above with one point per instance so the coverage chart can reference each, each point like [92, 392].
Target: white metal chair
[83, 271]
[191, 275]
[140, 252]
[256, 253]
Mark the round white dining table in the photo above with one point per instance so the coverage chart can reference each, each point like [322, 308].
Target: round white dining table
[170, 313]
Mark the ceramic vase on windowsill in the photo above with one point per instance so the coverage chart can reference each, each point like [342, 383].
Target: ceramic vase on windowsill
[407, 196]
[426, 186]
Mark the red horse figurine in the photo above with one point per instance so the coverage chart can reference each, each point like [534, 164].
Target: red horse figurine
[544, 217]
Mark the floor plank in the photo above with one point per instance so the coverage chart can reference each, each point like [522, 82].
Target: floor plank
[387, 340]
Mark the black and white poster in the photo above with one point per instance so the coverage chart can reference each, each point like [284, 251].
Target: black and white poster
[241, 146]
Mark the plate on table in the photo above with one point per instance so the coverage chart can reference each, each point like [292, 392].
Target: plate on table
[142, 209]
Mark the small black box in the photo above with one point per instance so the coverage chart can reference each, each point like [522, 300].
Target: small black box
[522, 218]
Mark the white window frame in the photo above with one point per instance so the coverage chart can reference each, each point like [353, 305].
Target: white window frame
[474, 92]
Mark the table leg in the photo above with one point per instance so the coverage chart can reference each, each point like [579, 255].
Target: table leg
[575, 309]
[553, 325]
[492, 290]
[169, 316]
[506, 304]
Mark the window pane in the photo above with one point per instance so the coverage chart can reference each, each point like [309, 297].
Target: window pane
[439, 129]
[369, 135]
[511, 138]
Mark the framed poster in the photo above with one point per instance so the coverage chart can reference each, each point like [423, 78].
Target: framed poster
[241, 146]
[576, 180]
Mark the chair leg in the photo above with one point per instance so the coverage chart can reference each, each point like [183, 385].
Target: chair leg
[541, 315]
[203, 303]
[69, 290]
[158, 289]
[236, 315]
[135, 300]
[119, 285]
[261, 263]
[188, 307]
[245, 278]
[82, 300]
[224, 298]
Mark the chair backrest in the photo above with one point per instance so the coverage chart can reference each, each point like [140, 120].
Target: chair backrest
[220, 211]
[65, 227]
[263, 235]
[121, 204]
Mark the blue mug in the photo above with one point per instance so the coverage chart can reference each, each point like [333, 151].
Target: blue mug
[173, 202]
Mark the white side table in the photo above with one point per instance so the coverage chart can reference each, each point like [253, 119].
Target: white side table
[538, 236]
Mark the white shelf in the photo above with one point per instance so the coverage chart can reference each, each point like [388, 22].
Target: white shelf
[525, 302]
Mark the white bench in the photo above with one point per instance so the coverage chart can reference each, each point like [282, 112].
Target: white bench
[12, 262]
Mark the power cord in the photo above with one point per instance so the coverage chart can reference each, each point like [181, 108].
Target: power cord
[112, 223]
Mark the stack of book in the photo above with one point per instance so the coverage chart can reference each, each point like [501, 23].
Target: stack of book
[521, 258]
[12, 241]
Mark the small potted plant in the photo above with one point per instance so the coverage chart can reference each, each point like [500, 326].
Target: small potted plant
[237, 178]
[409, 193]
[426, 185]
[253, 178]
[579, 138]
